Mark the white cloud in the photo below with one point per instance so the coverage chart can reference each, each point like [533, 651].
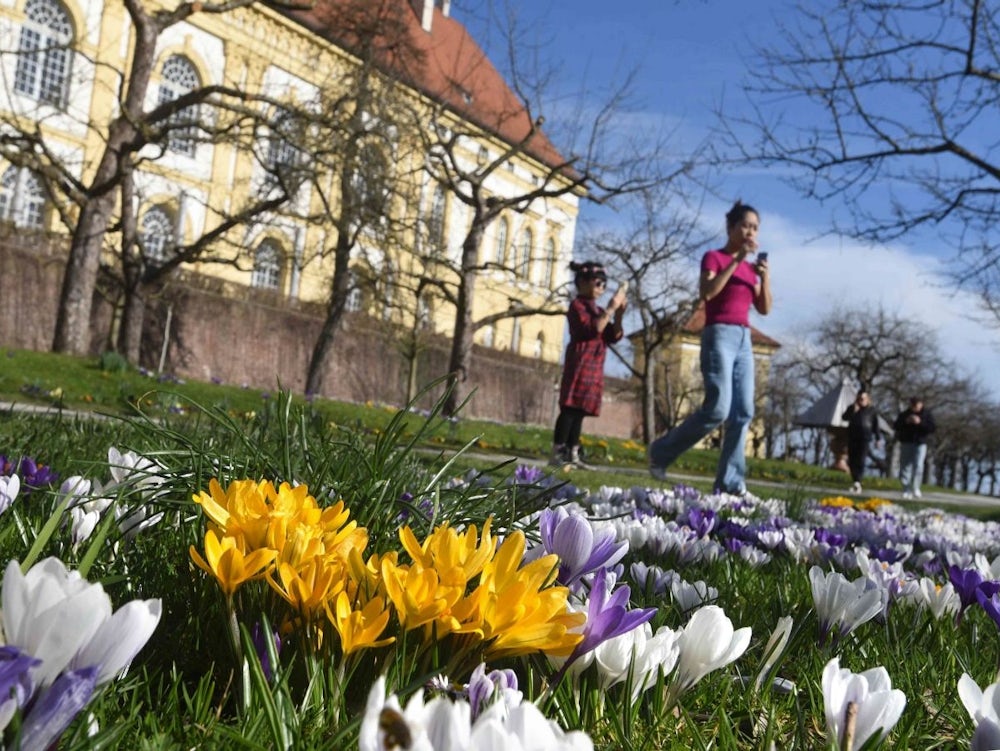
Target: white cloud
[808, 278]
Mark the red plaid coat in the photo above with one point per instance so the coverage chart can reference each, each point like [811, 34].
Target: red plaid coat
[583, 370]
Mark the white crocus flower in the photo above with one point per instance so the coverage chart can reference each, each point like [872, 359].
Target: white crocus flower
[690, 596]
[9, 488]
[708, 642]
[940, 599]
[981, 704]
[877, 705]
[774, 648]
[840, 604]
[140, 475]
[58, 617]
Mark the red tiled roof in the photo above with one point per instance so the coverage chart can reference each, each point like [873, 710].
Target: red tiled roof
[445, 64]
[696, 323]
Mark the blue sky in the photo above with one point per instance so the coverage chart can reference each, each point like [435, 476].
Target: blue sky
[692, 55]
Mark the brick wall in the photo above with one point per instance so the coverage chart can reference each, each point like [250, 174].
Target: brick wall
[238, 335]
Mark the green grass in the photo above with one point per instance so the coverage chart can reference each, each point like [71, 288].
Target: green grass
[108, 385]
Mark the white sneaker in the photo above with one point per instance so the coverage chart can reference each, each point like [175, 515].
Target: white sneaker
[658, 472]
[907, 496]
[856, 487]
[917, 494]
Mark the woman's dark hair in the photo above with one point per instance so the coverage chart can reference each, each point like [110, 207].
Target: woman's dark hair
[738, 212]
[588, 270]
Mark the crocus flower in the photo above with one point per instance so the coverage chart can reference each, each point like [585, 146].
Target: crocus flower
[497, 685]
[15, 681]
[842, 605]
[9, 487]
[708, 642]
[939, 599]
[56, 707]
[966, 581]
[979, 703]
[988, 595]
[878, 705]
[56, 616]
[581, 550]
[608, 615]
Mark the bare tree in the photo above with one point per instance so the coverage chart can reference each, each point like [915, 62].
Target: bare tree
[89, 197]
[889, 105]
[593, 160]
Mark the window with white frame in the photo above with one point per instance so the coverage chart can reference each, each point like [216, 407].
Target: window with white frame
[355, 297]
[423, 314]
[549, 267]
[489, 335]
[23, 200]
[44, 52]
[266, 266]
[369, 184]
[524, 254]
[282, 154]
[539, 346]
[515, 337]
[435, 222]
[178, 78]
[157, 234]
[503, 229]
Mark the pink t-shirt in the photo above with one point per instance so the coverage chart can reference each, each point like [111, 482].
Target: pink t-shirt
[732, 305]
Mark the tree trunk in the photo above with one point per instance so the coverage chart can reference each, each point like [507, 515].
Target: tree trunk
[319, 362]
[129, 342]
[649, 397]
[460, 361]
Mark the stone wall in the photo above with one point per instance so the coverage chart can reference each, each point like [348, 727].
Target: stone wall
[238, 335]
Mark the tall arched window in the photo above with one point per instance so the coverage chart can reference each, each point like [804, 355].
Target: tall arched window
[503, 229]
[282, 153]
[44, 52]
[489, 335]
[539, 346]
[22, 198]
[549, 267]
[370, 184]
[177, 78]
[524, 254]
[157, 234]
[515, 337]
[266, 266]
[435, 222]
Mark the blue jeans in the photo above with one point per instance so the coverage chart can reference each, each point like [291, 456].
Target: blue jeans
[727, 368]
[911, 465]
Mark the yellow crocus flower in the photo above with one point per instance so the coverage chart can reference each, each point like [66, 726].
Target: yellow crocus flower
[309, 586]
[419, 596]
[360, 629]
[444, 549]
[225, 560]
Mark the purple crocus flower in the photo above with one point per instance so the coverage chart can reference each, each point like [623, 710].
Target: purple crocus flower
[526, 474]
[966, 581]
[484, 686]
[702, 521]
[988, 595]
[259, 639]
[15, 676]
[830, 538]
[57, 706]
[608, 616]
[581, 552]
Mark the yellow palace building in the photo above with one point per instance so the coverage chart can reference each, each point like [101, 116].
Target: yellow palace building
[63, 81]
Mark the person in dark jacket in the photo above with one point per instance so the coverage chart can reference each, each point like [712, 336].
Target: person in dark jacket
[862, 427]
[591, 329]
[913, 425]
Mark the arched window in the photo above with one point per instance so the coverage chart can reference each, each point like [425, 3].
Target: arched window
[282, 153]
[266, 266]
[503, 229]
[435, 222]
[423, 314]
[539, 346]
[523, 261]
[489, 335]
[44, 52]
[157, 234]
[515, 337]
[370, 183]
[355, 295]
[549, 267]
[177, 78]
[22, 198]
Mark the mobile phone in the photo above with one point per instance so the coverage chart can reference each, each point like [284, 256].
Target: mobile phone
[762, 256]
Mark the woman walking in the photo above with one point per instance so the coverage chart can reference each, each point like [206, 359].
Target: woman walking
[728, 286]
